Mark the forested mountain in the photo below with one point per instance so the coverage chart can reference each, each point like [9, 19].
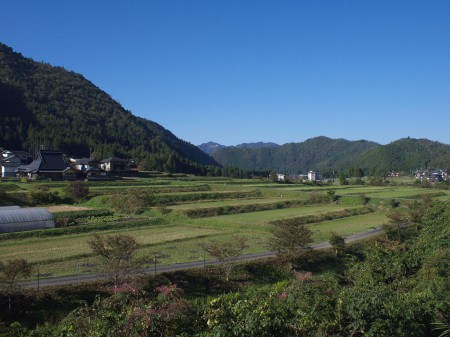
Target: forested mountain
[63, 110]
[320, 153]
[212, 147]
[407, 154]
[257, 145]
[338, 155]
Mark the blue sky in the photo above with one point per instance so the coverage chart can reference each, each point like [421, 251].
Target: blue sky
[244, 71]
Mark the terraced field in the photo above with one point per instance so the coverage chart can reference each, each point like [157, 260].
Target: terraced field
[174, 237]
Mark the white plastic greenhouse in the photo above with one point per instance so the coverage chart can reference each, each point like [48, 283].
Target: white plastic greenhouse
[14, 219]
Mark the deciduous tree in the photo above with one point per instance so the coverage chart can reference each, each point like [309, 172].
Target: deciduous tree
[337, 242]
[11, 272]
[117, 256]
[290, 240]
[226, 252]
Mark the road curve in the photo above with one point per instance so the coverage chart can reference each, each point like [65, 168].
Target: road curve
[40, 282]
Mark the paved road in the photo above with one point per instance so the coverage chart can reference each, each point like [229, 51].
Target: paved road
[77, 279]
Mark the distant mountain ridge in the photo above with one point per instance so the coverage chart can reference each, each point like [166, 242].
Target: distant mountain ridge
[407, 154]
[63, 110]
[212, 147]
[330, 156]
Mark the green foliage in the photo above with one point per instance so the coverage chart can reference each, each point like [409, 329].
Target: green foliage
[342, 180]
[226, 252]
[71, 218]
[407, 154]
[238, 209]
[132, 201]
[167, 314]
[42, 195]
[322, 153]
[363, 199]
[167, 199]
[332, 197]
[117, 256]
[308, 219]
[76, 190]
[11, 272]
[77, 229]
[337, 242]
[290, 240]
[338, 155]
[318, 198]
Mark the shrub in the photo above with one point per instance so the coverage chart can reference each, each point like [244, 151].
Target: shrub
[42, 195]
[132, 201]
[77, 190]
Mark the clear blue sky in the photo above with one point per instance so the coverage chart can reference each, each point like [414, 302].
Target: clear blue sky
[236, 71]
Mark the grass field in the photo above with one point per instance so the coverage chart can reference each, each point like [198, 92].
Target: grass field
[179, 238]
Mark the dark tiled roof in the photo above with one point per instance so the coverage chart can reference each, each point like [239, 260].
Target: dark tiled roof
[48, 161]
[52, 161]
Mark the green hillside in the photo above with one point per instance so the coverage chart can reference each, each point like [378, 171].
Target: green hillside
[320, 153]
[338, 155]
[63, 110]
[407, 154]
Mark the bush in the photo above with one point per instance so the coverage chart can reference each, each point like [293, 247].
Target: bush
[237, 209]
[64, 219]
[318, 198]
[42, 195]
[132, 201]
[172, 199]
[307, 219]
[76, 190]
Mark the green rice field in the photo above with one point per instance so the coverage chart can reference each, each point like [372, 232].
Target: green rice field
[178, 239]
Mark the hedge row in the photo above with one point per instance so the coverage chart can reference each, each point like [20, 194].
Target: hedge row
[83, 213]
[7, 187]
[175, 189]
[308, 219]
[127, 182]
[164, 199]
[83, 229]
[236, 209]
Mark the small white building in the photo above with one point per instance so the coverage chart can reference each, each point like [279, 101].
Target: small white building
[312, 176]
[114, 164]
[281, 177]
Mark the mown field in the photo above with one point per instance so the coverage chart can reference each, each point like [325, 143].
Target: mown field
[189, 211]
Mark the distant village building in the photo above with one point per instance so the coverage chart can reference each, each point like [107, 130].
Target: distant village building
[312, 176]
[9, 165]
[88, 168]
[433, 176]
[114, 164]
[393, 174]
[49, 164]
[281, 177]
[11, 160]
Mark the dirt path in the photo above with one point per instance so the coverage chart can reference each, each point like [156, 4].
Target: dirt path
[65, 208]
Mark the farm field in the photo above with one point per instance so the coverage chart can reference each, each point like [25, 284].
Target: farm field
[177, 237]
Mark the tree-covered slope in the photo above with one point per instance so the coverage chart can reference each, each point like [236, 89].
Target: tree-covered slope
[320, 153]
[407, 154]
[63, 110]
